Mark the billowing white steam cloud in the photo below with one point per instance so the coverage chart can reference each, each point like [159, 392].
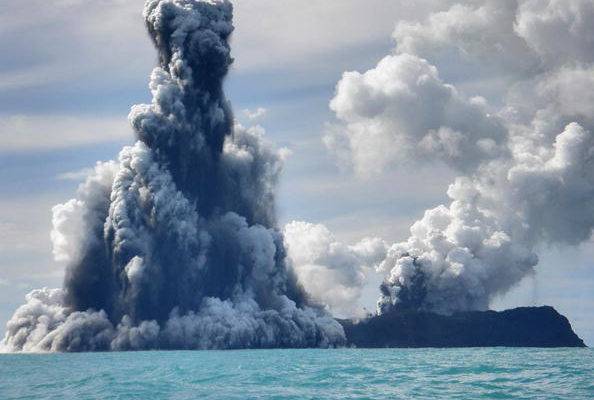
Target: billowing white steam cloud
[332, 272]
[402, 109]
[525, 150]
[175, 245]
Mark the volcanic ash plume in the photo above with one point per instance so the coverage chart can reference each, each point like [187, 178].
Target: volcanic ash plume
[524, 148]
[175, 245]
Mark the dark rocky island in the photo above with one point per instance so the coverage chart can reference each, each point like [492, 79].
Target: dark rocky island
[519, 327]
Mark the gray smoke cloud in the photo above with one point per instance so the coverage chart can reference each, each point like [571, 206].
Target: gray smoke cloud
[524, 150]
[175, 245]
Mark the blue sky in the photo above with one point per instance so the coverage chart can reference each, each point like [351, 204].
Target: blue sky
[70, 72]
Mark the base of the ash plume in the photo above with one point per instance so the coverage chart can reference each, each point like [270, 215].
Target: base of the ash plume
[520, 327]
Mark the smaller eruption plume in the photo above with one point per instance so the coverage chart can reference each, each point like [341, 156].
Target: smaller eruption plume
[526, 176]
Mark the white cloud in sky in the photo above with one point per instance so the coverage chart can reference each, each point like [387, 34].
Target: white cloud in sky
[76, 175]
[72, 39]
[284, 33]
[30, 132]
[25, 222]
[255, 115]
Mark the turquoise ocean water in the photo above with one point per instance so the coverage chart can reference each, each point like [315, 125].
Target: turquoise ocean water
[492, 373]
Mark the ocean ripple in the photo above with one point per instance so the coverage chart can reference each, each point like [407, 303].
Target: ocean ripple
[303, 374]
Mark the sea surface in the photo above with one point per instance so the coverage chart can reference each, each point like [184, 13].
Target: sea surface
[489, 373]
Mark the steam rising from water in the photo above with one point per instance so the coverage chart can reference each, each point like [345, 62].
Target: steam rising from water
[525, 160]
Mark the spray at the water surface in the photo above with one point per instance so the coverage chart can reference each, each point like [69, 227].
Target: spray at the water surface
[175, 245]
